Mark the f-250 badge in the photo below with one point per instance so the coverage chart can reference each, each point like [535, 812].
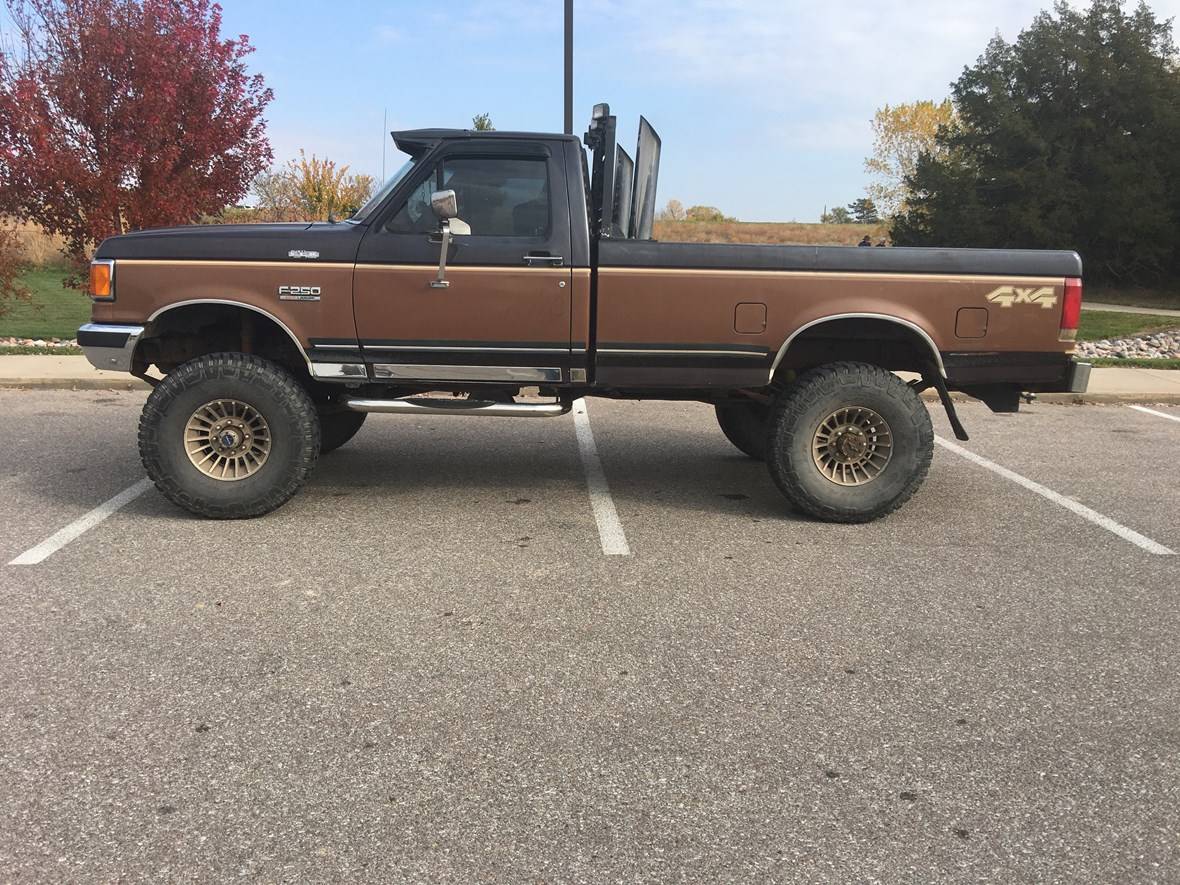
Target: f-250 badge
[299, 293]
[1006, 296]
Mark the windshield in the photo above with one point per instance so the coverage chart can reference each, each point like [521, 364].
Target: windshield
[375, 200]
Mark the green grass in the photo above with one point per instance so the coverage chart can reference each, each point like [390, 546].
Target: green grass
[23, 350]
[52, 311]
[1098, 324]
[1112, 363]
[1166, 298]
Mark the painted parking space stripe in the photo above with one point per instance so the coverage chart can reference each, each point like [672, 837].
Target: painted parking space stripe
[80, 526]
[610, 529]
[1148, 411]
[1081, 510]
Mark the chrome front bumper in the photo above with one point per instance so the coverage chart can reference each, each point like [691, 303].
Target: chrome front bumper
[109, 347]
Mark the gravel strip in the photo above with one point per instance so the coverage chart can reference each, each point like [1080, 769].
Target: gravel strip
[1155, 346]
[37, 342]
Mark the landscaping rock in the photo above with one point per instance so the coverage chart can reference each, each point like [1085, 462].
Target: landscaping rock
[38, 342]
[1153, 346]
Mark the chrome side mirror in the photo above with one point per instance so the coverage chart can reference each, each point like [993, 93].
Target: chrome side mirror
[445, 204]
[446, 207]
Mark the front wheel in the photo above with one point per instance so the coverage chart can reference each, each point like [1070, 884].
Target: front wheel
[229, 436]
[849, 442]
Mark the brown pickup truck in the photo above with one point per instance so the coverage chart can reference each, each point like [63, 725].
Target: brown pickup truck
[493, 262]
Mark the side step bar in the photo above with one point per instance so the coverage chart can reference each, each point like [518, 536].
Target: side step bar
[436, 406]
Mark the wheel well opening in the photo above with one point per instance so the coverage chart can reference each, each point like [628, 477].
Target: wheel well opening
[184, 333]
[882, 342]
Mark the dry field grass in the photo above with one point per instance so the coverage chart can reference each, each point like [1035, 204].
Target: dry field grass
[37, 247]
[40, 249]
[791, 233]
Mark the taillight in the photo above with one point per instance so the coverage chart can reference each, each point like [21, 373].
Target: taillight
[102, 279]
[1071, 310]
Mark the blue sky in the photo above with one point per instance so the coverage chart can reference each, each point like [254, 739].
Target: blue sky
[763, 105]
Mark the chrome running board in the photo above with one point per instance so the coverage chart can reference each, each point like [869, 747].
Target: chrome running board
[438, 406]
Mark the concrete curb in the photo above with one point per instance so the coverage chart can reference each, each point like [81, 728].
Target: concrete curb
[1081, 399]
[72, 384]
[1100, 399]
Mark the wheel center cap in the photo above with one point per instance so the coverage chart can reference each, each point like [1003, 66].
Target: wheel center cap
[229, 439]
[851, 444]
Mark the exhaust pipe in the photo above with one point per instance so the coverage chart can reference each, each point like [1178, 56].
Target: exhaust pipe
[434, 406]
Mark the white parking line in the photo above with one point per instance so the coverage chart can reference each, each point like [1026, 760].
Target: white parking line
[610, 530]
[79, 526]
[1068, 503]
[1154, 412]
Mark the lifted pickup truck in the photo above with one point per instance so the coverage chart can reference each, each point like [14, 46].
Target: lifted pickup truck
[498, 261]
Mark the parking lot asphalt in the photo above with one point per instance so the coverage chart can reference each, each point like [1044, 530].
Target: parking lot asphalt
[424, 667]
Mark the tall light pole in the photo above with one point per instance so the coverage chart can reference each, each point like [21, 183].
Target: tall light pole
[569, 67]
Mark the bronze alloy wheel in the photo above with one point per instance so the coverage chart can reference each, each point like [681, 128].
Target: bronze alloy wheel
[227, 439]
[852, 446]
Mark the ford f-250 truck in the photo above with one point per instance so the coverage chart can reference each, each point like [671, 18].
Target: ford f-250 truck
[498, 261]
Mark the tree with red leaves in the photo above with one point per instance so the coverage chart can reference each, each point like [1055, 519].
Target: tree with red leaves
[125, 114]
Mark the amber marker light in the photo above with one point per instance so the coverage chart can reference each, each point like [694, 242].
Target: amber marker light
[102, 279]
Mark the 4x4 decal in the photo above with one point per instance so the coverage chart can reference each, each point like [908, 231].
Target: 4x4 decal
[1006, 296]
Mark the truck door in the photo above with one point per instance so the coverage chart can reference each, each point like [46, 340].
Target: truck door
[505, 315]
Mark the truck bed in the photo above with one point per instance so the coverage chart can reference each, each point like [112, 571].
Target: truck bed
[725, 315]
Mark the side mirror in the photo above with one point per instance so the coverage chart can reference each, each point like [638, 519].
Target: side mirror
[446, 207]
[445, 204]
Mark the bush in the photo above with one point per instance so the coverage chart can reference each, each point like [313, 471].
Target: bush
[11, 267]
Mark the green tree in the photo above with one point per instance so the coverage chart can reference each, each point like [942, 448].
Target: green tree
[1065, 139]
[482, 123]
[864, 211]
[838, 215]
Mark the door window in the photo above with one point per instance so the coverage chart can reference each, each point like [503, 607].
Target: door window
[416, 216]
[497, 196]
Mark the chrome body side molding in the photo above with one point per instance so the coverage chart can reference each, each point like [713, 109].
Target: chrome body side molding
[431, 372]
[339, 371]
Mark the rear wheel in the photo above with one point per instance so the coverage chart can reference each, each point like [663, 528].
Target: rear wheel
[337, 428]
[745, 424]
[849, 442]
[229, 436]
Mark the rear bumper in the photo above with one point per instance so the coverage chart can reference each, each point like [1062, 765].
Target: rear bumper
[1077, 379]
[109, 347]
[1032, 372]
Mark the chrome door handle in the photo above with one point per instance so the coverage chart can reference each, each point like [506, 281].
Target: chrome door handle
[551, 260]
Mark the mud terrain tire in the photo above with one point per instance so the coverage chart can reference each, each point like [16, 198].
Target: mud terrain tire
[291, 423]
[830, 419]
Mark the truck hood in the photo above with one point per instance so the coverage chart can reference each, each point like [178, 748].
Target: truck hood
[239, 242]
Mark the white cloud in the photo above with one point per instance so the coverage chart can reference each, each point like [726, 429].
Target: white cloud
[389, 34]
[829, 60]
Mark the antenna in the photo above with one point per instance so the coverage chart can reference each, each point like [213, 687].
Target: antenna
[384, 135]
[569, 71]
